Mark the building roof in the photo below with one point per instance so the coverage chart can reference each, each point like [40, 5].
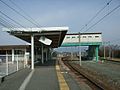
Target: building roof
[9, 40]
[83, 33]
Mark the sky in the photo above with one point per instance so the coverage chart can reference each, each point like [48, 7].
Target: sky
[72, 13]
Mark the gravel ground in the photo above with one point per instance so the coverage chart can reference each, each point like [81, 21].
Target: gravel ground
[108, 72]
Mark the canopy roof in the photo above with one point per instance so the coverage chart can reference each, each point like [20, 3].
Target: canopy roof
[56, 34]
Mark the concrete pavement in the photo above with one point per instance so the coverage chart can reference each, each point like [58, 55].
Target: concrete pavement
[44, 77]
[14, 81]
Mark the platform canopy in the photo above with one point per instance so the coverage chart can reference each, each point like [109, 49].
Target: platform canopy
[56, 34]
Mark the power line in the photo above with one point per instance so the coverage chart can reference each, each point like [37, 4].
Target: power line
[5, 23]
[24, 12]
[103, 17]
[4, 19]
[108, 3]
[11, 19]
[18, 13]
[99, 12]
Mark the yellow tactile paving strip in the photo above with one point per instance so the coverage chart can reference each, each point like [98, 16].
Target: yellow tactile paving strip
[62, 83]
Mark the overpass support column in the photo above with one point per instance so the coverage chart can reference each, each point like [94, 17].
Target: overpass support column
[96, 53]
[32, 52]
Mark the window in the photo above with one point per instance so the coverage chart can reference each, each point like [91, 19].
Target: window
[84, 36]
[78, 36]
[96, 36]
[89, 36]
[67, 37]
[73, 37]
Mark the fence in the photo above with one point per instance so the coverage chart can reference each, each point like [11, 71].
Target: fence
[8, 65]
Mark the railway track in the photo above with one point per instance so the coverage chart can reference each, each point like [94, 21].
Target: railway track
[82, 77]
[113, 60]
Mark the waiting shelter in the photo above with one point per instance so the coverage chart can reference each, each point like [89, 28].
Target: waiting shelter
[41, 39]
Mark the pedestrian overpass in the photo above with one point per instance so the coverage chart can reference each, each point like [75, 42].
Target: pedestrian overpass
[93, 40]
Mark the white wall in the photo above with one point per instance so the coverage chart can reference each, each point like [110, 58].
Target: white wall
[83, 38]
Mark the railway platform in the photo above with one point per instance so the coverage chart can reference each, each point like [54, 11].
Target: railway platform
[48, 76]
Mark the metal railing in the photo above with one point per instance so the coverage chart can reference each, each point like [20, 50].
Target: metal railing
[8, 66]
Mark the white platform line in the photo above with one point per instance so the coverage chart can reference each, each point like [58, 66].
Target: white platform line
[26, 81]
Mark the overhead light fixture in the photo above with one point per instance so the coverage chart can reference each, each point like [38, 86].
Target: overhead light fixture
[45, 40]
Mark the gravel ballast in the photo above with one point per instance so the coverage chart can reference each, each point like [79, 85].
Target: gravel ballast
[107, 72]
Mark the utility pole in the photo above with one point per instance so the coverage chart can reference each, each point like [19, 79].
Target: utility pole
[79, 50]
